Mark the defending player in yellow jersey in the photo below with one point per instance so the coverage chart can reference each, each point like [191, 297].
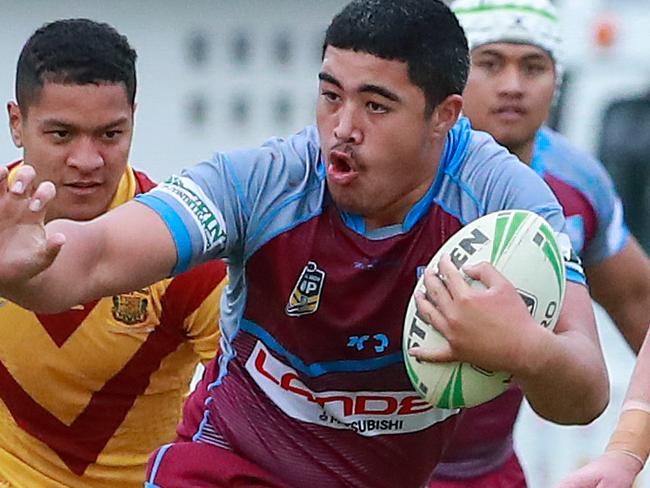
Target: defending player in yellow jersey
[87, 394]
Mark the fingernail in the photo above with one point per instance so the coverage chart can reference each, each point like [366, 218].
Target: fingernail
[35, 205]
[18, 188]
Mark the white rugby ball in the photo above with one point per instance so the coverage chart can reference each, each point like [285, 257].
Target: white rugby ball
[522, 246]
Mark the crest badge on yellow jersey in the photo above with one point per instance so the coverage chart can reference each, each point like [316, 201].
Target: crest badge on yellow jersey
[306, 295]
[130, 308]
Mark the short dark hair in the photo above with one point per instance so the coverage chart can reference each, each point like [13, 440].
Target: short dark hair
[75, 52]
[423, 33]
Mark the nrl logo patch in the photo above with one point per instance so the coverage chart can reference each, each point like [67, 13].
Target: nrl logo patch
[305, 297]
[130, 308]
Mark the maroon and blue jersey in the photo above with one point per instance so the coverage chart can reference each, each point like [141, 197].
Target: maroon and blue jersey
[311, 384]
[592, 208]
[594, 215]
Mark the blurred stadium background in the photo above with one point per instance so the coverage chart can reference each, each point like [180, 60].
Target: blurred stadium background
[219, 74]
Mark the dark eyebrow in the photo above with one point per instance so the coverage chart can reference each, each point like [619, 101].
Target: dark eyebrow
[57, 123]
[527, 57]
[536, 57]
[115, 123]
[380, 90]
[368, 88]
[329, 79]
[488, 52]
[68, 126]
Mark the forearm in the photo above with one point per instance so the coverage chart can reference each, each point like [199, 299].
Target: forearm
[62, 285]
[564, 379]
[52, 268]
[632, 435]
[630, 313]
[639, 389]
[125, 249]
[621, 285]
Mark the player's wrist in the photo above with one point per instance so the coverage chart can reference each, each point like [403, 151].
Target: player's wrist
[625, 467]
[532, 355]
[632, 435]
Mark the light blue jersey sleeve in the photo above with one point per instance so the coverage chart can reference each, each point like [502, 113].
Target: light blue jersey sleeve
[588, 177]
[492, 179]
[229, 206]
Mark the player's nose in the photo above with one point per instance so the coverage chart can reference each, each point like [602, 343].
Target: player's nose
[85, 156]
[347, 128]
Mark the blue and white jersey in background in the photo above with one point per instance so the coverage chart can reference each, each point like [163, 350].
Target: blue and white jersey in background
[593, 209]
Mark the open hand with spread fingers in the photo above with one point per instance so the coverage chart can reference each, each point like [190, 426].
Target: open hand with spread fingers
[485, 325]
[25, 247]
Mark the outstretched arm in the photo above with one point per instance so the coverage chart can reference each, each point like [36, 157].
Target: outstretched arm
[49, 268]
[562, 373]
[629, 446]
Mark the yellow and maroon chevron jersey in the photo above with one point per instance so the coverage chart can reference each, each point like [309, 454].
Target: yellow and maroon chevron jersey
[86, 395]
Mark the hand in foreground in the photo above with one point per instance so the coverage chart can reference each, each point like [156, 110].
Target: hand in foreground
[25, 247]
[612, 469]
[487, 325]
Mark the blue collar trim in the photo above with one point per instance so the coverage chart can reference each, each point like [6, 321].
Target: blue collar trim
[454, 154]
[541, 145]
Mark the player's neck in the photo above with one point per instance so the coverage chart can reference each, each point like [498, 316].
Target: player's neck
[523, 151]
[396, 212]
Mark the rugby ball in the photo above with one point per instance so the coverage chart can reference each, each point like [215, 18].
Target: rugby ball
[523, 247]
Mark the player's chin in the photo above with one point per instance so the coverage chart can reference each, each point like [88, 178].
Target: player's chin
[513, 136]
[347, 202]
[343, 198]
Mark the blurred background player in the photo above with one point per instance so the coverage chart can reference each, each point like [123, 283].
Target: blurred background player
[515, 71]
[87, 394]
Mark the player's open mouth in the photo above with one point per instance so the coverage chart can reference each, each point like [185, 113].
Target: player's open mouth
[340, 168]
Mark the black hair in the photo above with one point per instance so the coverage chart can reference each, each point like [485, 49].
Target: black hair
[75, 52]
[423, 33]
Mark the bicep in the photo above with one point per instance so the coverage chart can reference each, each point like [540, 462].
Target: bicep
[621, 284]
[623, 276]
[639, 388]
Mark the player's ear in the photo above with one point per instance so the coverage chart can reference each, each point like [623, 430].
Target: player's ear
[15, 123]
[445, 115]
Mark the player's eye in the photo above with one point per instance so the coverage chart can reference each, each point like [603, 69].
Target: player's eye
[535, 69]
[330, 96]
[59, 135]
[112, 134]
[377, 108]
[487, 65]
